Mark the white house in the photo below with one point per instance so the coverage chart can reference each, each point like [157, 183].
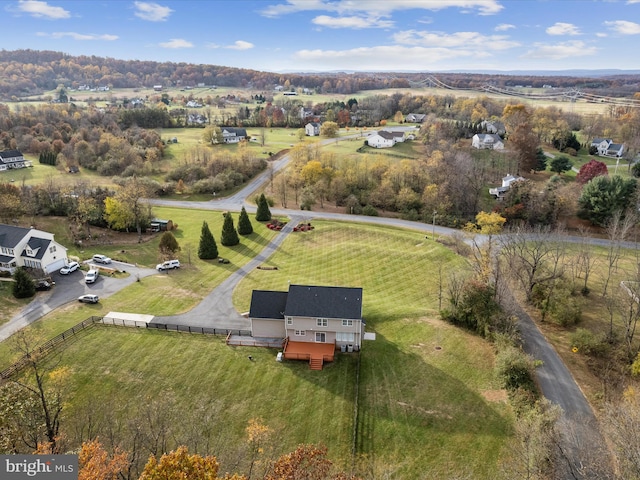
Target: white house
[233, 135]
[312, 129]
[507, 181]
[13, 159]
[493, 126]
[415, 118]
[606, 147]
[31, 248]
[490, 141]
[381, 139]
[398, 135]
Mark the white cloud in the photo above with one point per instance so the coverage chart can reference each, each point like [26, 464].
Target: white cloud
[382, 58]
[36, 8]
[378, 7]
[80, 36]
[455, 40]
[152, 12]
[560, 28]
[624, 27]
[176, 43]
[629, 2]
[211, 45]
[503, 27]
[240, 45]
[560, 51]
[352, 22]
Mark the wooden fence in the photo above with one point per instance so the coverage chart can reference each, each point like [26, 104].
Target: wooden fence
[90, 322]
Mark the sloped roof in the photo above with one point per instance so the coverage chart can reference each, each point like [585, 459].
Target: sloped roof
[38, 245]
[324, 302]
[268, 304]
[239, 132]
[10, 235]
[386, 135]
[9, 154]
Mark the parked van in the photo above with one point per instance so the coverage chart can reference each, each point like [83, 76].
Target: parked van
[168, 265]
[91, 276]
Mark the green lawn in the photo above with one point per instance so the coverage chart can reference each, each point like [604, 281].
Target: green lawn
[424, 412]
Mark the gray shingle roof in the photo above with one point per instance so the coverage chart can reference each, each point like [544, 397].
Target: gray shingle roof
[324, 302]
[38, 245]
[267, 304]
[10, 235]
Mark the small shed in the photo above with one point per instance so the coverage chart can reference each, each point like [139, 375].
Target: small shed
[159, 225]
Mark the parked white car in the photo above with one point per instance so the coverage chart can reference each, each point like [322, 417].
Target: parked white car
[101, 259]
[72, 267]
[88, 298]
[168, 265]
[91, 276]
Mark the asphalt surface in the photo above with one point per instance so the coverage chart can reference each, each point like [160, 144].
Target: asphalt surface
[582, 439]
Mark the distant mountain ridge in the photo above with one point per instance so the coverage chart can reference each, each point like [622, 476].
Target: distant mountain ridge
[33, 72]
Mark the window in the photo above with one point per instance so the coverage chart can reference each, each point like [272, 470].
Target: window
[321, 337]
[52, 249]
[345, 337]
[322, 322]
[289, 320]
[301, 333]
[347, 323]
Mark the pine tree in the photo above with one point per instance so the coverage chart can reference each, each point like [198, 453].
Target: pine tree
[207, 249]
[168, 244]
[23, 286]
[229, 236]
[244, 224]
[263, 214]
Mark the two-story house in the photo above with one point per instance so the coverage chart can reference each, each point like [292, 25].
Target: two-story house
[312, 129]
[233, 135]
[13, 159]
[31, 248]
[606, 148]
[313, 321]
[487, 140]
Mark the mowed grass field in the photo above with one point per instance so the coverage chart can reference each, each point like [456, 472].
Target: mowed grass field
[428, 405]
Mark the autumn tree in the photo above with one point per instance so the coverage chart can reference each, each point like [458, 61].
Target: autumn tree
[244, 224]
[329, 129]
[488, 225]
[212, 135]
[590, 170]
[46, 387]
[10, 200]
[95, 463]
[263, 214]
[307, 462]
[229, 236]
[168, 245]
[521, 136]
[207, 249]
[129, 206]
[180, 465]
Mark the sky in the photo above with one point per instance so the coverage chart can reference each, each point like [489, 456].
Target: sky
[338, 35]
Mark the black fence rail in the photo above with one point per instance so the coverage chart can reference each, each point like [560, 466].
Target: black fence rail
[90, 322]
[48, 346]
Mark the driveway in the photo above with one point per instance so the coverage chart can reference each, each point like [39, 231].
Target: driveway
[67, 289]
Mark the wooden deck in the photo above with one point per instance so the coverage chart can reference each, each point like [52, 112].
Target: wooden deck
[315, 353]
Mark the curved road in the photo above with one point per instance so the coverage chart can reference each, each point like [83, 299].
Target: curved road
[582, 441]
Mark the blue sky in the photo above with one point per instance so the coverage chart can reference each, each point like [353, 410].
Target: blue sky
[328, 35]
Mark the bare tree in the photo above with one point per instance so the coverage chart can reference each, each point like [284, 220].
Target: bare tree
[618, 229]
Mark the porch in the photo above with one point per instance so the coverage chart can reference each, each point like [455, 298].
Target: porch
[317, 353]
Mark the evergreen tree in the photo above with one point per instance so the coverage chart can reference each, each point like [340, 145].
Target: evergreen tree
[23, 286]
[244, 224]
[168, 244]
[207, 249]
[229, 236]
[263, 214]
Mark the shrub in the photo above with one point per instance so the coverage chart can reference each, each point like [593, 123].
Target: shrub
[589, 344]
[244, 224]
[370, 211]
[514, 369]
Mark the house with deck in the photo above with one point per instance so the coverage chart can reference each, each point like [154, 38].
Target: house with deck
[507, 181]
[312, 321]
[30, 248]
